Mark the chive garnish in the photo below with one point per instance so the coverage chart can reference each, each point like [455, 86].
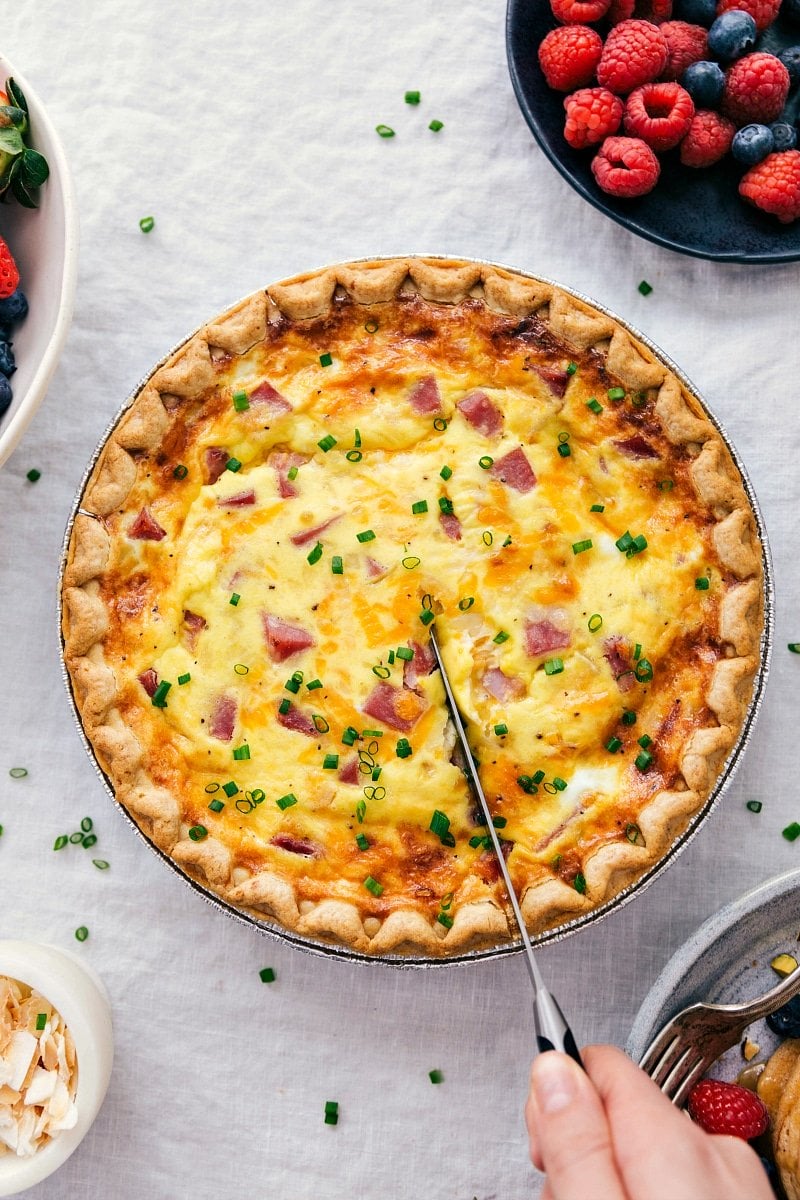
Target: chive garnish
[440, 823]
[580, 547]
[436, 1076]
[180, 472]
[644, 670]
[412, 97]
[564, 450]
[419, 506]
[616, 393]
[405, 652]
[466, 602]
[330, 762]
[559, 784]
[217, 806]
[507, 542]
[235, 598]
[501, 729]
[791, 832]
[793, 646]
[314, 685]
[350, 736]
[198, 832]
[371, 325]
[445, 919]
[41, 1021]
[332, 1106]
[362, 841]
[594, 404]
[81, 933]
[381, 671]
[579, 882]
[501, 637]
[325, 359]
[572, 368]
[267, 975]
[159, 697]
[354, 456]
[446, 505]
[292, 473]
[233, 464]
[33, 475]
[645, 741]
[371, 733]
[426, 616]
[147, 224]
[240, 401]
[553, 666]
[628, 717]
[361, 810]
[314, 555]
[499, 822]
[485, 462]
[634, 835]
[284, 706]
[337, 566]
[60, 842]
[595, 621]
[384, 131]
[230, 788]
[320, 724]
[435, 126]
[182, 679]
[18, 772]
[645, 288]
[101, 864]
[367, 535]
[327, 443]
[89, 841]
[373, 886]
[403, 748]
[613, 745]
[754, 806]
[439, 424]
[242, 752]
[75, 838]
[286, 801]
[643, 760]
[598, 508]
[446, 472]
[293, 684]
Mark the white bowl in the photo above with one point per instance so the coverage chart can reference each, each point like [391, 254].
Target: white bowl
[44, 242]
[78, 994]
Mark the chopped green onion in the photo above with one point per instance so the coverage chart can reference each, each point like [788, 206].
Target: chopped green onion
[426, 616]
[60, 842]
[598, 508]
[240, 401]
[33, 475]
[18, 772]
[284, 706]
[419, 506]
[292, 473]
[198, 832]
[665, 485]
[405, 652]
[357, 439]
[41, 1021]
[634, 835]
[403, 748]
[754, 806]
[488, 537]
[553, 666]
[89, 841]
[217, 806]
[594, 404]
[314, 555]
[327, 443]
[147, 224]
[579, 882]
[445, 919]
[499, 822]
[373, 886]
[75, 838]
[466, 602]
[479, 840]
[507, 542]
[81, 933]
[293, 684]
[625, 542]
[527, 785]
[182, 679]
[559, 784]
[361, 810]
[159, 697]
[793, 646]
[376, 774]
[572, 368]
[337, 566]
[330, 762]
[267, 975]
[643, 760]
[564, 450]
[485, 462]
[354, 456]
[332, 1117]
[644, 741]
[239, 668]
[616, 393]
[644, 670]
[367, 535]
[446, 505]
[314, 685]
[350, 736]
[637, 652]
[235, 598]
[412, 97]
[325, 359]
[211, 788]
[384, 131]
[638, 544]
[628, 717]
[371, 733]
[411, 561]
[230, 788]
[381, 671]
[791, 832]
[362, 841]
[180, 471]
[435, 126]
[371, 326]
[501, 637]
[241, 752]
[446, 473]
[595, 621]
[613, 745]
[501, 729]
[579, 547]
[645, 288]
[440, 823]
[320, 724]
[233, 464]
[284, 802]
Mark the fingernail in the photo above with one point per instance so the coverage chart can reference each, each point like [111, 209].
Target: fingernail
[553, 1082]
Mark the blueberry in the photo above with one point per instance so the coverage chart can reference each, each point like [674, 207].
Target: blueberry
[5, 394]
[790, 57]
[783, 135]
[13, 308]
[732, 35]
[7, 364]
[697, 12]
[752, 144]
[704, 82]
[786, 1021]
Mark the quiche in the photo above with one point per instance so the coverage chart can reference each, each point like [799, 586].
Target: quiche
[291, 499]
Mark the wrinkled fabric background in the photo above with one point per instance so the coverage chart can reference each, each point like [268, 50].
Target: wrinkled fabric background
[247, 130]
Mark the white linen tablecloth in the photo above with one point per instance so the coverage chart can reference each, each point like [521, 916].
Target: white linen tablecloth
[247, 131]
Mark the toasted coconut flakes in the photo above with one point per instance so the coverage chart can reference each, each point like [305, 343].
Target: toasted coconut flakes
[38, 1071]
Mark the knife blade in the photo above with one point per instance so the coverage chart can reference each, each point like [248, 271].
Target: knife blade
[552, 1030]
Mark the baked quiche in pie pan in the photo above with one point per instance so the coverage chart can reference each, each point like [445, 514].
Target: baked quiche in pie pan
[290, 499]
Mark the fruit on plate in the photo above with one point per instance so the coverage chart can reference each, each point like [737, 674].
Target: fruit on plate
[728, 1108]
[779, 1089]
[22, 169]
[13, 309]
[774, 185]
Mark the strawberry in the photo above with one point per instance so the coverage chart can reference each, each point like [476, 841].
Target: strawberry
[9, 275]
[728, 1108]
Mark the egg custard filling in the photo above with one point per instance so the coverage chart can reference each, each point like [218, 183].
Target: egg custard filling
[300, 492]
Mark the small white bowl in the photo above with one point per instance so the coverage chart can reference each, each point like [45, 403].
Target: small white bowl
[44, 242]
[80, 997]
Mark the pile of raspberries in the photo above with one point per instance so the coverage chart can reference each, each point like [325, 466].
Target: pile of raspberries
[638, 107]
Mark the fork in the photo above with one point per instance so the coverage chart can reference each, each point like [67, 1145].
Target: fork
[696, 1037]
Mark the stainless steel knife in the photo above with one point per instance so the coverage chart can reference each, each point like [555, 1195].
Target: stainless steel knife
[552, 1030]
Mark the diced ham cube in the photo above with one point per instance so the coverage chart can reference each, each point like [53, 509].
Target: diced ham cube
[311, 535]
[238, 500]
[399, 708]
[424, 397]
[266, 394]
[503, 687]
[146, 528]
[194, 626]
[300, 722]
[223, 718]
[481, 414]
[216, 460]
[284, 639]
[556, 380]
[637, 447]
[421, 664]
[149, 681]
[543, 635]
[349, 772]
[514, 470]
[451, 525]
[297, 845]
[282, 462]
[616, 652]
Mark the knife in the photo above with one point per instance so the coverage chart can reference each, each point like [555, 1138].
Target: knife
[552, 1030]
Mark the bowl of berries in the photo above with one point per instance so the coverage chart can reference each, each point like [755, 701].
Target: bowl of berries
[677, 118]
[38, 254]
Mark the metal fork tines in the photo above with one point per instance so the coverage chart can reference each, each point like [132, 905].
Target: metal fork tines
[694, 1039]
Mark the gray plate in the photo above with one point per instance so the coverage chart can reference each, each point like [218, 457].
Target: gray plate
[727, 962]
[330, 950]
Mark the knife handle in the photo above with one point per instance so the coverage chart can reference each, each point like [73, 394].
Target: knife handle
[552, 1030]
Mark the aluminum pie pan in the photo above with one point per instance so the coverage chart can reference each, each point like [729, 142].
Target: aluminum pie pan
[331, 950]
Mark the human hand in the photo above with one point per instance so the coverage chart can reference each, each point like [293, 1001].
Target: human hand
[610, 1134]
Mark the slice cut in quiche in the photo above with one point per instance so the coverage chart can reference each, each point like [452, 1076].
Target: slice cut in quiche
[294, 496]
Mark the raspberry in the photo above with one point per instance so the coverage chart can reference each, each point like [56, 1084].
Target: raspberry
[654, 10]
[763, 12]
[635, 52]
[625, 167]
[728, 1108]
[9, 275]
[774, 185]
[659, 113]
[592, 114]
[620, 10]
[579, 12]
[708, 140]
[686, 44]
[755, 89]
[569, 55]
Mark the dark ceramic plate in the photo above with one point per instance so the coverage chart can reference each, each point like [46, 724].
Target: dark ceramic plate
[696, 212]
